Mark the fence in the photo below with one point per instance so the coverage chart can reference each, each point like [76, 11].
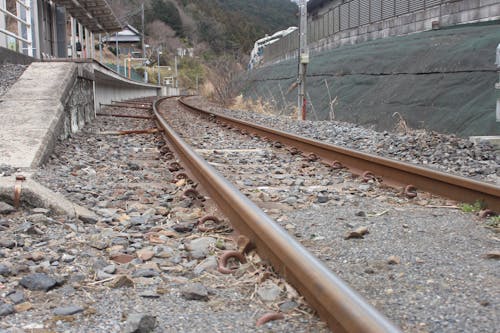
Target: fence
[345, 15]
[20, 34]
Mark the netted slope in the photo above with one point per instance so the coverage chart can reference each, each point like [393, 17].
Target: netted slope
[439, 80]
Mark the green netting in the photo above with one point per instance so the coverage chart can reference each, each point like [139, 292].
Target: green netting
[440, 80]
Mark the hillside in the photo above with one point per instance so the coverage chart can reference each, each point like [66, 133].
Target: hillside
[224, 25]
[221, 34]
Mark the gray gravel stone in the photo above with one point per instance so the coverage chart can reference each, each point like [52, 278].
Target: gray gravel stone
[269, 291]
[5, 208]
[39, 210]
[38, 281]
[147, 273]
[139, 323]
[7, 243]
[208, 264]
[110, 269]
[68, 310]
[17, 297]
[194, 292]
[6, 309]
[200, 247]
[5, 270]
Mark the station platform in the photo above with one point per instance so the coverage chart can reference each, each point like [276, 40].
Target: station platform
[53, 99]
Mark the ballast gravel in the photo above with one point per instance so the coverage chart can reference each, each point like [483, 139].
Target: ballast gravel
[9, 73]
[447, 153]
[425, 264]
[141, 264]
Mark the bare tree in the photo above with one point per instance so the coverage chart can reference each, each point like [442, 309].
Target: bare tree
[161, 34]
[222, 76]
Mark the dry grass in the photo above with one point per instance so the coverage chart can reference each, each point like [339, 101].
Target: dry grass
[401, 125]
[262, 106]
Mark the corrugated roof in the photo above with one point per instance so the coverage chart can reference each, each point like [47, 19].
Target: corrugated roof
[95, 15]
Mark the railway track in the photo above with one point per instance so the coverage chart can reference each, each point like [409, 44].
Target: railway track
[426, 269]
[333, 300]
[409, 178]
[155, 233]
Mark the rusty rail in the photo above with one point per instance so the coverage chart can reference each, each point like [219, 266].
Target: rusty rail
[393, 173]
[336, 303]
[142, 106]
[117, 115]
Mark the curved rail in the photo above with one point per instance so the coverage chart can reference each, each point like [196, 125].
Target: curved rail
[336, 303]
[394, 173]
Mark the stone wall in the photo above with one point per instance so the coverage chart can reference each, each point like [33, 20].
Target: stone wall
[79, 108]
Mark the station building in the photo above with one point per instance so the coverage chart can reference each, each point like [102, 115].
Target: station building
[46, 29]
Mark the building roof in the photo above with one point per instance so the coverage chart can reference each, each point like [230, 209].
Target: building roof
[95, 15]
[128, 35]
[314, 4]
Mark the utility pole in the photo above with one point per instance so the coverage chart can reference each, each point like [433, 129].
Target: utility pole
[117, 51]
[159, 53]
[142, 20]
[143, 43]
[303, 60]
[175, 63]
[100, 48]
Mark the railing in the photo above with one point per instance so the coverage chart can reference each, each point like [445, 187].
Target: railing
[23, 36]
[354, 13]
[348, 15]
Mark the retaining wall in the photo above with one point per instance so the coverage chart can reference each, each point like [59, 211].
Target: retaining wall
[440, 80]
[349, 22]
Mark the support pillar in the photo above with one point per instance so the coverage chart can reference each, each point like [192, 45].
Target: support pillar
[3, 38]
[92, 45]
[73, 37]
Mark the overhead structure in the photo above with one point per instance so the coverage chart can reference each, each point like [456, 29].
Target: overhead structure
[95, 15]
[43, 27]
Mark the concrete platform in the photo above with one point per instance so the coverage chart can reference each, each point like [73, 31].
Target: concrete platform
[32, 112]
[53, 99]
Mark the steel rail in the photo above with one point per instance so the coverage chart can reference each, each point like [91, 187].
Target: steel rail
[336, 303]
[393, 173]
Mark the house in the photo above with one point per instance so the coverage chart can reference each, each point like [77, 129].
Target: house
[129, 41]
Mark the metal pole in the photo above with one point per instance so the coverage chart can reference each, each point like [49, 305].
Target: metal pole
[92, 45]
[303, 61]
[73, 38]
[100, 48]
[116, 52]
[158, 64]
[142, 18]
[176, 83]
[143, 44]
